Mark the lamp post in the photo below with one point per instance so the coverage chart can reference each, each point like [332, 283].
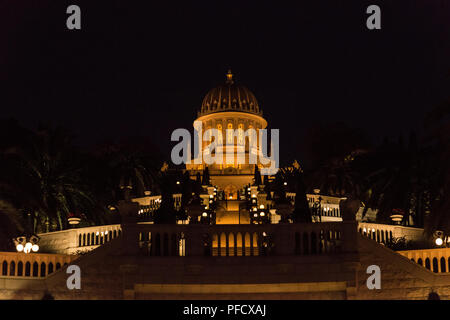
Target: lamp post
[27, 243]
[438, 238]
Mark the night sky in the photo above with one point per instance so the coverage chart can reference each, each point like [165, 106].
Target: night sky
[142, 68]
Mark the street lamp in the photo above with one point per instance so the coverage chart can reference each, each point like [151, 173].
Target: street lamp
[438, 238]
[27, 244]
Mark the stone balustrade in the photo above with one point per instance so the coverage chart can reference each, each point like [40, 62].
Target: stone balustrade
[37, 265]
[149, 204]
[78, 240]
[436, 260]
[241, 240]
[383, 233]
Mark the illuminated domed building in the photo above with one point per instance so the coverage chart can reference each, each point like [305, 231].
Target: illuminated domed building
[227, 107]
[139, 259]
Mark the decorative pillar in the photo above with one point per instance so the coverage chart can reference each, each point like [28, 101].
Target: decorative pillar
[129, 213]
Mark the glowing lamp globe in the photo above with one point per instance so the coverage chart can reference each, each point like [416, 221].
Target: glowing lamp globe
[74, 220]
[27, 247]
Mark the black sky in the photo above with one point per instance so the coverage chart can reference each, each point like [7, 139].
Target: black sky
[142, 68]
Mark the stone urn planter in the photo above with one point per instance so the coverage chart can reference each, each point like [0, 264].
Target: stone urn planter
[73, 219]
[397, 216]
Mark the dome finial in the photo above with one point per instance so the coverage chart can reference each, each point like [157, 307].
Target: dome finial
[229, 77]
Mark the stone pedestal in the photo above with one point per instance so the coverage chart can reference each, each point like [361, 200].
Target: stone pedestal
[129, 213]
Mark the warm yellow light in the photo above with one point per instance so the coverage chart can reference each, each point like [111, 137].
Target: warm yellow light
[261, 206]
[255, 215]
[178, 182]
[262, 214]
[28, 247]
[19, 247]
[285, 183]
[204, 214]
[35, 248]
[439, 241]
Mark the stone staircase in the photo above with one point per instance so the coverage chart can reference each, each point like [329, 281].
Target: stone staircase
[401, 278]
[100, 277]
[109, 272]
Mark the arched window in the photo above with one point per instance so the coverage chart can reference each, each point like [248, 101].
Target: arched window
[241, 133]
[251, 136]
[58, 266]
[35, 269]
[230, 133]
[443, 266]
[165, 244]
[157, 248]
[174, 245]
[219, 133]
[12, 268]
[420, 262]
[427, 264]
[313, 243]
[50, 268]
[27, 269]
[435, 265]
[5, 268]
[20, 269]
[207, 134]
[42, 269]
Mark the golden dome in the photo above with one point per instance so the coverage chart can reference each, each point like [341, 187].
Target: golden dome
[230, 97]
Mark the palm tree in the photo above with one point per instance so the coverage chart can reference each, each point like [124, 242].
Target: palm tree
[128, 170]
[44, 179]
[339, 176]
[437, 140]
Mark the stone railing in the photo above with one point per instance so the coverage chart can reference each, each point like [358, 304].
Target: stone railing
[383, 233]
[436, 260]
[241, 240]
[75, 241]
[329, 207]
[148, 204]
[37, 265]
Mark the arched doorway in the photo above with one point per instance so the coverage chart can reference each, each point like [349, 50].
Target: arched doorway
[231, 192]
